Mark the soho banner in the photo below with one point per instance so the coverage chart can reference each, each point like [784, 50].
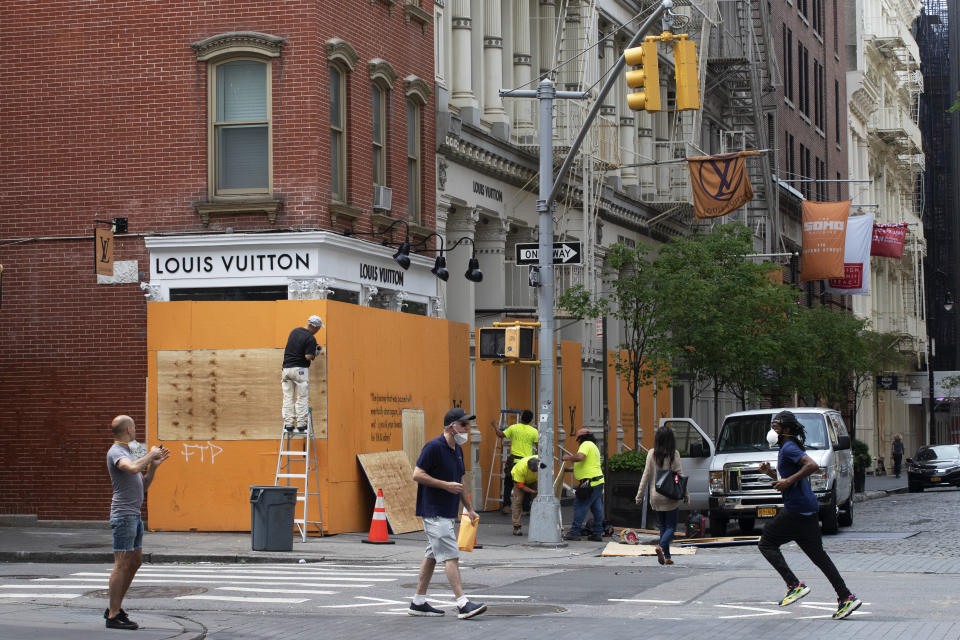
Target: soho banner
[824, 234]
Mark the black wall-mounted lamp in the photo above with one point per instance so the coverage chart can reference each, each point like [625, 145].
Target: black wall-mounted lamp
[402, 256]
[473, 273]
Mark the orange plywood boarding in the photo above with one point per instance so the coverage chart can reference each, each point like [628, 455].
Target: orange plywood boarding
[488, 410]
[378, 363]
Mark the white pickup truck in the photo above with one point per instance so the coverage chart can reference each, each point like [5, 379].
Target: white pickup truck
[725, 480]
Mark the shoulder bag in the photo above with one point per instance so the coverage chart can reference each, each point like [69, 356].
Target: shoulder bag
[671, 484]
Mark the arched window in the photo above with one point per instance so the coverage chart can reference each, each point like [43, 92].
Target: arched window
[240, 127]
[338, 134]
[380, 100]
[413, 161]
[239, 121]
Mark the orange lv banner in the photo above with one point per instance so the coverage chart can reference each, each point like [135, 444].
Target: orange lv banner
[824, 235]
[720, 183]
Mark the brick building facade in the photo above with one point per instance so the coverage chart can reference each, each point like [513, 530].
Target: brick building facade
[207, 120]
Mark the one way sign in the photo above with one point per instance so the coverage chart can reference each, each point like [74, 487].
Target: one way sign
[563, 253]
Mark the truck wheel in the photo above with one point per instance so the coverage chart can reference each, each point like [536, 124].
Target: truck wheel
[845, 518]
[746, 524]
[828, 516]
[718, 526]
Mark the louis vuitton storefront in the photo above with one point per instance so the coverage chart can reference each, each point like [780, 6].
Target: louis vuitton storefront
[293, 266]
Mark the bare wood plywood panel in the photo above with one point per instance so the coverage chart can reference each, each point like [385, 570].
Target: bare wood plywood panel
[618, 549]
[228, 394]
[413, 434]
[391, 472]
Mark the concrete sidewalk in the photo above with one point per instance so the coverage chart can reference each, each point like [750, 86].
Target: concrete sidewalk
[25, 539]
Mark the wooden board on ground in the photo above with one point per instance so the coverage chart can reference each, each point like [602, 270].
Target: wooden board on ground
[720, 542]
[229, 394]
[391, 472]
[617, 549]
[651, 532]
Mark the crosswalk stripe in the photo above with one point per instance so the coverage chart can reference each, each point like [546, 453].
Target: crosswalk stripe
[45, 586]
[291, 572]
[256, 590]
[139, 580]
[244, 599]
[40, 595]
[243, 577]
[378, 603]
[645, 601]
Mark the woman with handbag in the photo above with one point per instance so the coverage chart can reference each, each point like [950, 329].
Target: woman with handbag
[663, 472]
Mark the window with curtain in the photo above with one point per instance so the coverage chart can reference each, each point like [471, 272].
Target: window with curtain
[338, 134]
[413, 161]
[240, 135]
[379, 111]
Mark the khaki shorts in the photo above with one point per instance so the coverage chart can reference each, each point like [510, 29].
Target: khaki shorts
[441, 539]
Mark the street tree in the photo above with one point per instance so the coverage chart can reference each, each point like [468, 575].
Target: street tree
[723, 309]
[631, 300]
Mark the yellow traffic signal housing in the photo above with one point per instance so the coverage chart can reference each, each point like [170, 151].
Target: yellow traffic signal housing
[687, 76]
[511, 343]
[646, 78]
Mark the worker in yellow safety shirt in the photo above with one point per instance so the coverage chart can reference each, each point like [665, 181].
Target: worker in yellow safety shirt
[588, 496]
[524, 475]
[523, 439]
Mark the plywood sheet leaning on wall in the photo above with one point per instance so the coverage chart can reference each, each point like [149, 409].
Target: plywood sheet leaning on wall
[391, 472]
[229, 394]
[413, 434]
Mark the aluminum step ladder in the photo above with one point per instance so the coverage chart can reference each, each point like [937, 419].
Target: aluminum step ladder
[500, 452]
[299, 466]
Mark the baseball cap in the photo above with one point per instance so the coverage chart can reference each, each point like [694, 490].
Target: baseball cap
[456, 414]
[583, 432]
[315, 321]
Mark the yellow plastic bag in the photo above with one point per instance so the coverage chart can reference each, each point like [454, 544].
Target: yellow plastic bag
[468, 533]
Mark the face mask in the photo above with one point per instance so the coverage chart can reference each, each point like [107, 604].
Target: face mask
[461, 438]
[772, 438]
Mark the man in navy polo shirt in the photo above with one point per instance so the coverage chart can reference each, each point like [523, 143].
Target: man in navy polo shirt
[798, 520]
[438, 474]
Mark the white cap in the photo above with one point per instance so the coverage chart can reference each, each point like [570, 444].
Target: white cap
[315, 321]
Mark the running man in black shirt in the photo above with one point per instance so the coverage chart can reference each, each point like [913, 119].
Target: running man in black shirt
[301, 349]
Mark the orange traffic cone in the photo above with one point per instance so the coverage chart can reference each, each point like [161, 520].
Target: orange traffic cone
[378, 526]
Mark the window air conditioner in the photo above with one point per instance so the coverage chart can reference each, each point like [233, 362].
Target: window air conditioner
[382, 198]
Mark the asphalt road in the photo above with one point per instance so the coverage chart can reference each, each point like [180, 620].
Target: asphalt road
[901, 557]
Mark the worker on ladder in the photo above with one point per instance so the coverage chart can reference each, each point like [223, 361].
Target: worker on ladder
[523, 438]
[300, 351]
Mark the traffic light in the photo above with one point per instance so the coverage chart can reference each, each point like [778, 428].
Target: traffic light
[688, 79]
[647, 78]
[512, 343]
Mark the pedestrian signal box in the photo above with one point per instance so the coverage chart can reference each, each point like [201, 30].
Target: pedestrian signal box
[507, 343]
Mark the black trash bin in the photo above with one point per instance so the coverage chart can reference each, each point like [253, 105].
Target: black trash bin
[271, 518]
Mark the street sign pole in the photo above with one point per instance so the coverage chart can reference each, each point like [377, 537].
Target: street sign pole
[545, 509]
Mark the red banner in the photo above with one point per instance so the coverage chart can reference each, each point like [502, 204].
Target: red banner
[888, 240]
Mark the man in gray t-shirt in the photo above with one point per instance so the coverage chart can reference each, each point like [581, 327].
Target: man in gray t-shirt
[130, 476]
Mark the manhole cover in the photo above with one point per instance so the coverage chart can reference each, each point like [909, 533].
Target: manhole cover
[150, 592]
[86, 545]
[443, 585]
[23, 576]
[522, 609]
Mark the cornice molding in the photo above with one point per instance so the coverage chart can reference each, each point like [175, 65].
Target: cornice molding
[341, 51]
[262, 44]
[417, 88]
[382, 71]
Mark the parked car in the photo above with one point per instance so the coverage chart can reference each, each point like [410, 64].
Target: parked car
[936, 466]
[739, 490]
